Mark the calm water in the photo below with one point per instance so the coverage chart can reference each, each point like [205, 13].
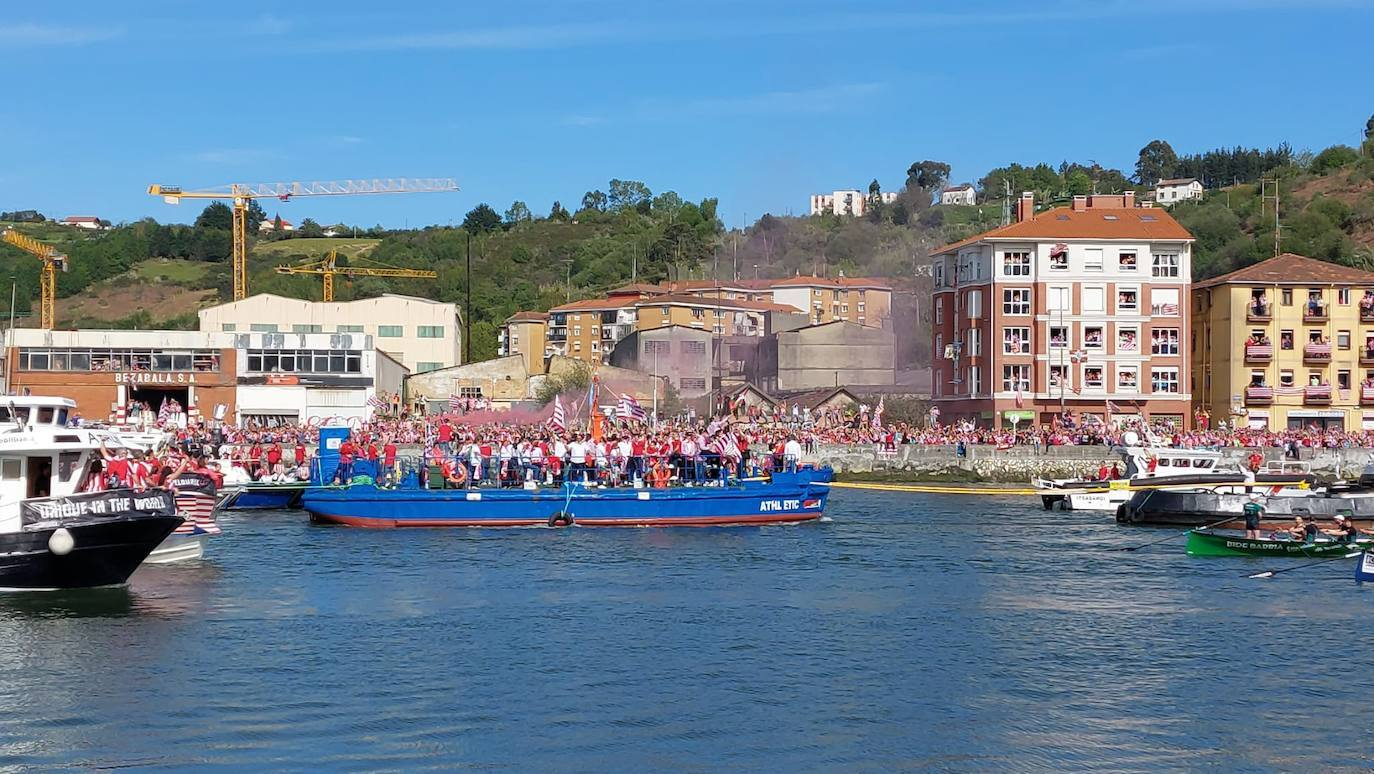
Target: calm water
[911, 631]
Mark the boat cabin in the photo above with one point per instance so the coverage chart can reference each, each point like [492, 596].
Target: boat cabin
[40, 456]
[1174, 462]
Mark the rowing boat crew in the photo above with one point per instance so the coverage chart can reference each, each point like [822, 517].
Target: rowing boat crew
[1302, 529]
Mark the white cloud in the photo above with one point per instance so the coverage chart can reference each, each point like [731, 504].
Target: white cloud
[231, 156]
[15, 35]
[267, 24]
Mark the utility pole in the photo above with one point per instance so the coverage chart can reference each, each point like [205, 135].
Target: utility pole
[467, 307]
[568, 262]
[1265, 196]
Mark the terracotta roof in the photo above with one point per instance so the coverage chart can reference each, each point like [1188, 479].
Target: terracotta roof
[953, 188]
[637, 289]
[1093, 223]
[528, 317]
[684, 299]
[1290, 269]
[811, 281]
[742, 284]
[594, 304]
[80, 219]
[1177, 181]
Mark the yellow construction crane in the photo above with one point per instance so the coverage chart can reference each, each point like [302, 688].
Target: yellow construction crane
[242, 193]
[328, 268]
[47, 276]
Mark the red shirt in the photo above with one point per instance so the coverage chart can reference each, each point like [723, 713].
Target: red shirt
[445, 433]
[372, 452]
[389, 452]
[119, 468]
[347, 451]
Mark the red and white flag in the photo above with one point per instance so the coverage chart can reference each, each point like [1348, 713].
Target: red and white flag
[556, 421]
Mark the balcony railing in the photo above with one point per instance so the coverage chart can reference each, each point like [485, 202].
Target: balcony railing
[1321, 395]
[1367, 356]
[1259, 313]
[1259, 353]
[1259, 394]
[1367, 314]
[1315, 313]
[1317, 353]
[1366, 396]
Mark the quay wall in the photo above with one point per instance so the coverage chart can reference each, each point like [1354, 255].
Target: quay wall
[1022, 463]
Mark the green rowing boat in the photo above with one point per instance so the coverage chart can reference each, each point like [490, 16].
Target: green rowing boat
[1209, 543]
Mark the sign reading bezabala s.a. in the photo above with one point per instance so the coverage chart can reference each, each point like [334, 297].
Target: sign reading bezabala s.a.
[113, 504]
[154, 377]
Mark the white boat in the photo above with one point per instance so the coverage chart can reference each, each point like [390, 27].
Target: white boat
[188, 541]
[1148, 467]
[54, 535]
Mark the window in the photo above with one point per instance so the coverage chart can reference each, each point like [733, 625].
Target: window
[577, 330]
[1285, 339]
[1058, 376]
[1126, 378]
[1016, 377]
[1128, 339]
[390, 331]
[693, 347]
[1126, 262]
[656, 348]
[1094, 299]
[1016, 301]
[1016, 264]
[1164, 380]
[1164, 302]
[1016, 341]
[359, 329]
[1127, 300]
[1059, 257]
[290, 361]
[692, 383]
[430, 331]
[1092, 377]
[939, 273]
[1093, 338]
[1164, 265]
[1343, 380]
[1092, 259]
[973, 301]
[975, 342]
[577, 345]
[228, 327]
[1343, 339]
[1256, 378]
[665, 311]
[1286, 378]
[1164, 341]
[301, 328]
[1059, 336]
[424, 366]
[1343, 296]
[939, 345]
[1060, 300]
[469, 392]
[596, 346]
[263, 327]
[1286, 297]
[939, 310]
[698, 313]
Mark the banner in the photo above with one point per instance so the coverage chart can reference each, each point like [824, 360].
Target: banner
[192, 482]
[114, 504]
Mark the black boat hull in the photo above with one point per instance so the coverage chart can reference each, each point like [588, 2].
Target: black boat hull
[103, 553]
[1199, 508]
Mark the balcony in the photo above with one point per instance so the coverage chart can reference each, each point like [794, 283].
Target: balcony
[1316, 353]
[1259, 395]
[1367, 356]
[1317, 396]
[1259, 313]
[1367, 396]
[1315, 313]
[1366, 313]
[1259, 353]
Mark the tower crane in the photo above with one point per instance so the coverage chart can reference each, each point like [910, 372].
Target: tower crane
[47, 276]
[328, 269]
[240, 194]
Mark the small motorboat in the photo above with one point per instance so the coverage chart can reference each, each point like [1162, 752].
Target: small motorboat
[53, 533]
[1207, 542]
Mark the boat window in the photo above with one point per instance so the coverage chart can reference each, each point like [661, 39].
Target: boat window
[9, 470]
[68, 465]
[1182, 463]
[4, 414]
[45, 415]
[62, 416]
[21, 414]
[1202, 463]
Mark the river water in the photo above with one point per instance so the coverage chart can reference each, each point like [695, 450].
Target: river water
[909, 631]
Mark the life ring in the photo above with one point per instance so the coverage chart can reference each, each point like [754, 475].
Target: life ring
[560, 519]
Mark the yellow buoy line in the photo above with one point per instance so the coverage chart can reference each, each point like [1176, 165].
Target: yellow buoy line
[993, 490]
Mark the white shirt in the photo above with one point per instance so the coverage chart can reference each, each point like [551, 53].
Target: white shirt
[792, 449]
[577, 452]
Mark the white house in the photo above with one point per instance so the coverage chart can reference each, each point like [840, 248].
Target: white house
[82, 221]
[851, 202]
[270, 225]
[959, 194]
[1177, 190]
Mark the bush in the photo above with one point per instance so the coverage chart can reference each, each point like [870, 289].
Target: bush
[1334, 157]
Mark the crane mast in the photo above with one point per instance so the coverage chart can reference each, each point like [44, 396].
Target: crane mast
[47, 275]
[328, 269]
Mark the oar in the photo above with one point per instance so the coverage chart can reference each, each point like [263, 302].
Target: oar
[1175, 535]
[1272, 573]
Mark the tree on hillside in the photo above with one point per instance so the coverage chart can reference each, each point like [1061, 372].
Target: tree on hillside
[310, 229]
[1369, 128]
[1333, 158]
[1157, 161]
[667, 203]
[519, 212]
[628, 194]
[594, 200]
[481, 219]
[255, 216]
[216, 215]
[927, 175]
[559, 212]
[875, 202]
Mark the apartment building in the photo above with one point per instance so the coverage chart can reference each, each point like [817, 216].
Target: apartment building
[524, 334]
[859, 300]
[1080, 308]
[588, 330]
[721, 316]
[852, 202]
[1286, 343]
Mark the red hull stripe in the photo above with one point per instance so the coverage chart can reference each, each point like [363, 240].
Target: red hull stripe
[685, 521]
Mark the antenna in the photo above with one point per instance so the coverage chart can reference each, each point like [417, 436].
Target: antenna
[1265, 185]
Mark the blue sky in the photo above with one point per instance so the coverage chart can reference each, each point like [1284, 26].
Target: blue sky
[757, 103]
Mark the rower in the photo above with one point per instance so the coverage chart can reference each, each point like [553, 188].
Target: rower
[1301, 530]
[1253, 511]
[1345, 530]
